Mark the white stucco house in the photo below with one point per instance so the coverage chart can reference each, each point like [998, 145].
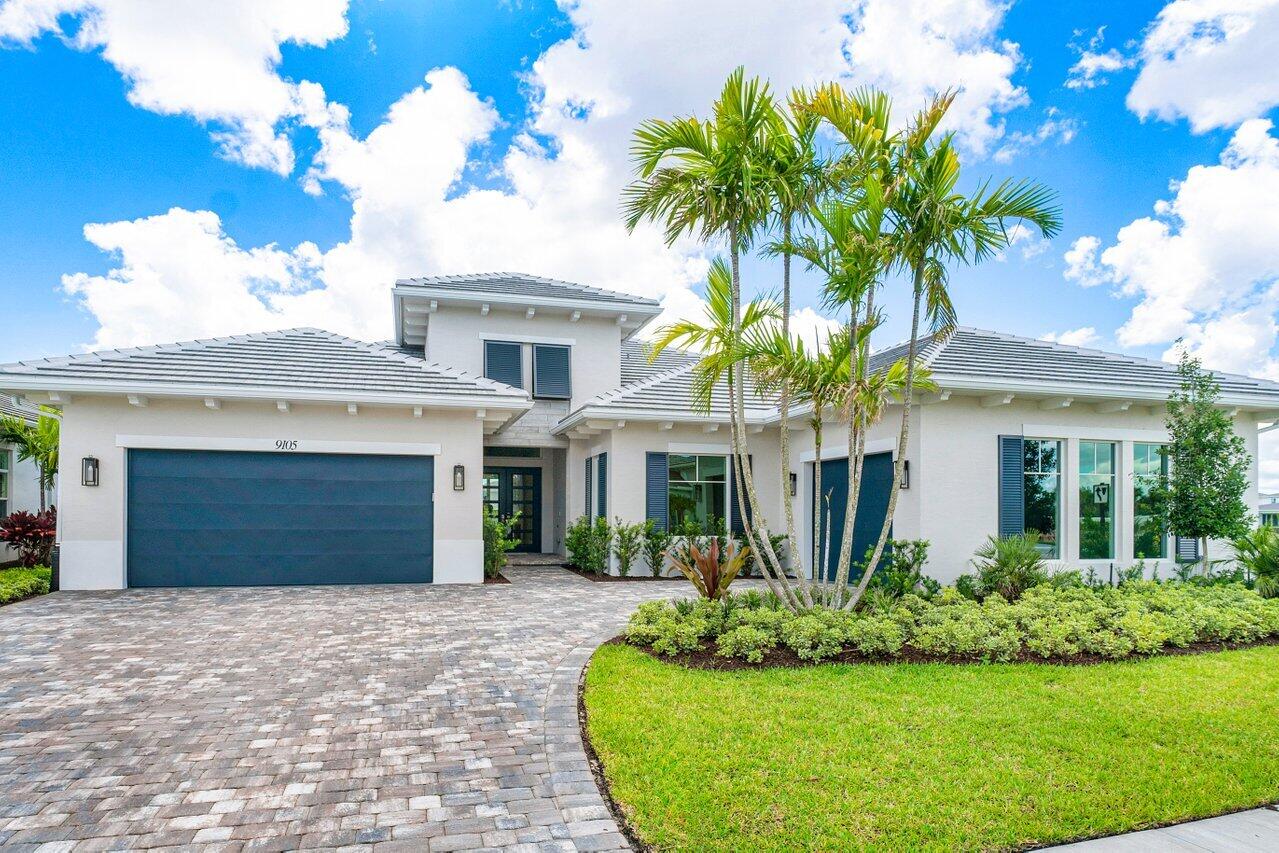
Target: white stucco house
[302, 456]
[19, 480]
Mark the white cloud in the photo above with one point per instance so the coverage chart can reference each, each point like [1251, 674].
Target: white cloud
[555, 210]
[1204, 266]
[1095, 65]
[1081, 262]
[1026, 241]
[1054, 128]
[811, 327]
[215, 62]
[1084, 336]
[1209, 61]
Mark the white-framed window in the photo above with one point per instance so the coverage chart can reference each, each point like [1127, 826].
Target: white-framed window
[1097, 500]
[6, 463]
[1041, 467]
[1149, 467]
[696, 490]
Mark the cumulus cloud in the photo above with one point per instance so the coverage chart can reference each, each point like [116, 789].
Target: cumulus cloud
[554, 207]
[1054, 128]
[1095, 63]
[1203, 268]
[1209, 61]
[215, 62]
[1084, 336]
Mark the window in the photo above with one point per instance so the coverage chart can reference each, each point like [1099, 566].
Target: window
[4, 481]
[551, 380]
[1149, 467]
[1270, 519]
[504, 362]
[1096, 500]
[697, 489]
[1041, 467]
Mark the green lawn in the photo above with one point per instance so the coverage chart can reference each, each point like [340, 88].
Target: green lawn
[17, 584]
[931, 756]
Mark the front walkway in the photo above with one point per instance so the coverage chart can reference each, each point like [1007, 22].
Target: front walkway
[292, 717]
[1253, 831]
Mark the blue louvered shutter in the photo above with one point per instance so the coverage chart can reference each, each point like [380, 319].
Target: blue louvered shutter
[601, 475]
[503, 362]
[551, 378]
[656, 481]
[1012, 485]
[738, 504]
[588, 487]
[1187, 549]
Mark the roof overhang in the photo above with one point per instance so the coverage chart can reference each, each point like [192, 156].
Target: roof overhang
[600, 418]
[1092, 392]
[415, 303]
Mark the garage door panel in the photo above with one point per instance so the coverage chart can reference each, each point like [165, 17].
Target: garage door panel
[222, 518]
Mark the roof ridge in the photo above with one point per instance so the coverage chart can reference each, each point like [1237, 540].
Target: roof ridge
[587, 289]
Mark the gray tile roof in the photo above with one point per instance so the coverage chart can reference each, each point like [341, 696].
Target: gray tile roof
[526, 285]
[308, 360]
[11, 407]
[994, 357]
[636, 366]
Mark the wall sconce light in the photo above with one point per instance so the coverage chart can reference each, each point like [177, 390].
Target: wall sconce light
[459, 478]
[905, 474]
[89, 471]
[794, 484]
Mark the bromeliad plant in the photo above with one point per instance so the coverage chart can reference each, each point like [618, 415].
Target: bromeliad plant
[710, 574]
[33, 534]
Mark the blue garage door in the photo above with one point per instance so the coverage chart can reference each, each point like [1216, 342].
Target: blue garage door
[214, 518]
[877, 482]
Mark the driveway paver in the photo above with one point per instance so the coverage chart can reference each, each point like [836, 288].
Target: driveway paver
[420, 717]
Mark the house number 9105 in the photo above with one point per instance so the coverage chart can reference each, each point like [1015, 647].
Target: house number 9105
[286, 444]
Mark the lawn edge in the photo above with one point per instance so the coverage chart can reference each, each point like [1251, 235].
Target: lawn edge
[597, 765]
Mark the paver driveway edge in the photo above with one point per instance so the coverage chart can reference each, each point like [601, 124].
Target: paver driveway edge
[573, 783]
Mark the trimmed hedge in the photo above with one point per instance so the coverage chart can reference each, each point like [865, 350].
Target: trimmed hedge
[1046, 623]
[17, 584]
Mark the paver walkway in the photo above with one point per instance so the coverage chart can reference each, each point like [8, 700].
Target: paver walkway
[277, 718]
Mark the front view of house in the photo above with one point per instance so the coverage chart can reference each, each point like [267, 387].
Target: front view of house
[303, 457]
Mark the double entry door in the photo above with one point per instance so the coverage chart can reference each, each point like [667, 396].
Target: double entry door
[508, 490]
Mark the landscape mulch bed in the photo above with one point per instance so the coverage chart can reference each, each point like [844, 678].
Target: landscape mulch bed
[706, 658]
[499, 579]
[592, 576]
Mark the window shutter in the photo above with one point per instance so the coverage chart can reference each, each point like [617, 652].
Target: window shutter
[588, 487]
[737, 507]
[551, 378]
[656, 474]
[503, 362]
[1187, 549]
[1012, 485]
[601, 474]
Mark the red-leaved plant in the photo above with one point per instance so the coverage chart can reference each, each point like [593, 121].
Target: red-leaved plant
[710, 574]
[32, 534]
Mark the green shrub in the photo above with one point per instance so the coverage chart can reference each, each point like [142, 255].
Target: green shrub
[589, 543]
[627, 541]
[813, 637]
[876, 635]
[17, 584]
[902, 570]
[499, 538]
[1009, 566]
[657, 541]
[1258, 552]
[745, 642]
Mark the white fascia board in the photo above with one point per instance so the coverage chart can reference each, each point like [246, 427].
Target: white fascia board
[636, 310]
[679, 416]
[275, 445]
[37, 382]
[1083, 390]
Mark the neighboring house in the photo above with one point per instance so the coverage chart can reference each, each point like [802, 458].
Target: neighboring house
[305, 457]
[19, 481]
[1268, 510]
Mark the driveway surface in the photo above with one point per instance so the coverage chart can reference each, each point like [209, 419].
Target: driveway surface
[414, 717]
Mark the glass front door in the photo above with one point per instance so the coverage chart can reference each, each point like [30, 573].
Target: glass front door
[508, 491]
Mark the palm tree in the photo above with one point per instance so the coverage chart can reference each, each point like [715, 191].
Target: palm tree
[931, 224]
[713, 179]
[35, 441]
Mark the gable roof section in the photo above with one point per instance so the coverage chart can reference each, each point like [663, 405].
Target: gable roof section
[524, 285]
[13, 408]
[985, 360]
[636, 366]
[291, 364]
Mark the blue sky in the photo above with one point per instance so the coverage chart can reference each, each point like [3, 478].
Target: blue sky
[255, 169]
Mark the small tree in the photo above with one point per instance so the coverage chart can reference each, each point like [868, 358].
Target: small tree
[657, 541]
[499, 538]
[1203, 495]
[35, 441]
[628, 539]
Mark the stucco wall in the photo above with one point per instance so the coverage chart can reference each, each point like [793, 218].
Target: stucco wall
[455, 336]
[92, 519]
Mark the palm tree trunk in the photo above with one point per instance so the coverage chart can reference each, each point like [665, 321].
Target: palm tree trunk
[854, 464]
[903, 437]
[42, 492]
[784, 427]
[819, 555]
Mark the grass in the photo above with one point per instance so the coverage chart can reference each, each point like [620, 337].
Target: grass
[931, 756]
[17, 584]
